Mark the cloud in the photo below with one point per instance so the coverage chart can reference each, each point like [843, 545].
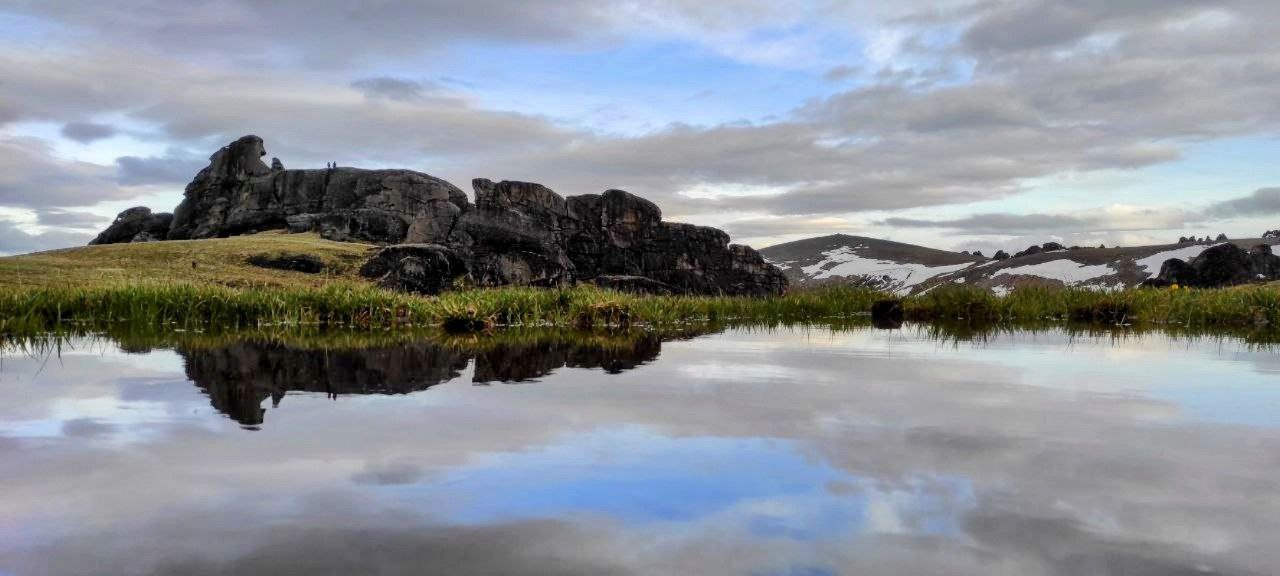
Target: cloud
[71, 218]
[14, 240]
[32, 177]
[175, 167]
[1089, 91]
[840, 73]
[1114, 218]
[1263, 202]
[389, 87]
[87, 132]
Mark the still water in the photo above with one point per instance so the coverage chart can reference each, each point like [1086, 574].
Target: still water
[784, 452]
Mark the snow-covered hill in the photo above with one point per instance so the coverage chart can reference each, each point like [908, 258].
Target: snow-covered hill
[910, 269]
[855, 259]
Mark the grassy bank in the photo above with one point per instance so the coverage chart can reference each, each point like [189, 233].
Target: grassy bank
[217, 261]
[193, 306]
[196, 306]
[208, 283]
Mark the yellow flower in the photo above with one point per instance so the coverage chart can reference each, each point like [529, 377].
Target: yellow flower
[1173, 287]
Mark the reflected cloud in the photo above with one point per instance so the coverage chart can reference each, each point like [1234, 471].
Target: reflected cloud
[855, 451]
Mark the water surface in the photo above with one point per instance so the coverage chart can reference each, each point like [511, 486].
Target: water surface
[744, 452]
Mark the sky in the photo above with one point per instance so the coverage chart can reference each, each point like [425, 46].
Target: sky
[958, 124]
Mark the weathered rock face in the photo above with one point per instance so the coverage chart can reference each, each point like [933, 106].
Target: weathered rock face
[1222, 265]
[421, 268]
[137, 224]
[239, 194]
[516, 232]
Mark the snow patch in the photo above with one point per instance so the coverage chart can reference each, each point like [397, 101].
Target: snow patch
[902, 275]
[1068, 272]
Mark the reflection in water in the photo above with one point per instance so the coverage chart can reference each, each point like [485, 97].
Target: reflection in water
[853, 451]
[239, 376]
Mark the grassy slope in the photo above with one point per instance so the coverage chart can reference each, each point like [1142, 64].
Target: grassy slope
[220, 261]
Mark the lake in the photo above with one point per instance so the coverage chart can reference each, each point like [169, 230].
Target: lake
[754, 452]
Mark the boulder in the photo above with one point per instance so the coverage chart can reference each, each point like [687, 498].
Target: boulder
[137, 224]
[1221, 265]
[420, 268]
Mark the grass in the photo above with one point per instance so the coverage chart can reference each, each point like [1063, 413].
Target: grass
[220, 261]
[155, 284]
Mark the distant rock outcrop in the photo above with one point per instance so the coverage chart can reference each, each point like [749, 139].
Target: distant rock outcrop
[137, 224]
[1222, 265]
[516, 232]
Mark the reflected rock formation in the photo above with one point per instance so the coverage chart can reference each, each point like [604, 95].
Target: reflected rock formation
[238, 377]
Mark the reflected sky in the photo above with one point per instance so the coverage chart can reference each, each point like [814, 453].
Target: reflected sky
[746, 452]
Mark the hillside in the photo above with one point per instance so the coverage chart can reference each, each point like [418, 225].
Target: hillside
[1097, 268]
[220, 261]
[841, 258]
[910, 269]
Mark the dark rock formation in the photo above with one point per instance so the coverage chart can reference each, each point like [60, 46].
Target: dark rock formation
[1000, 255]
[1222, 265]
[421, 268]
[137, 224]
[239, 194]
[1029, 251]
[291, 262]
[516, 232]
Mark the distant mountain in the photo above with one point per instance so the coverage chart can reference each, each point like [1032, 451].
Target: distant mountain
[910, 269]
[883, 264]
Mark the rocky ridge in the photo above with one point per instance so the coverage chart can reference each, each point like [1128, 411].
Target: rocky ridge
[516, 233]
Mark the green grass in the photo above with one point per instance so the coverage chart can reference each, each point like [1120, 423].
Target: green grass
[201, 306]
[194, 306]
[1240, 306]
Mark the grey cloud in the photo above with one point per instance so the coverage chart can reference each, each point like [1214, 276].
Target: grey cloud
[1012, 26]
[14, 240]
[995, 223]
[87, 132]
[70, 218]
[840, 73]
[1097, 220]
[778, 226]
[389, 87]
[391, 474]
[30, 176]
[322, 32]
[175, 167]
[1263, 202]
[890, 145]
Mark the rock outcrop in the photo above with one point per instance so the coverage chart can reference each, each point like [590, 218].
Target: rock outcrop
[137, 224]
[516, 232]
[1222, 265]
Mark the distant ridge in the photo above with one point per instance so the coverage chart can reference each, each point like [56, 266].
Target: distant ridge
[885, 264]
[911, 269]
